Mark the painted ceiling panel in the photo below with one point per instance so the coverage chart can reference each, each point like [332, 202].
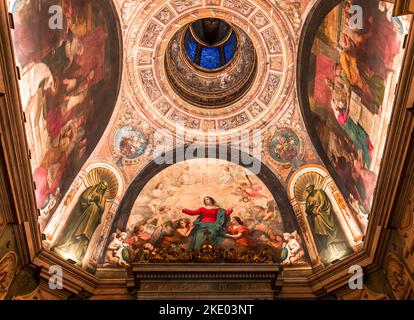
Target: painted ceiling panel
[354, 71]
[95, 139]
[70, 80]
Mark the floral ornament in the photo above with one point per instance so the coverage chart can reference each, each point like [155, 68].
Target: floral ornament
[285, 146]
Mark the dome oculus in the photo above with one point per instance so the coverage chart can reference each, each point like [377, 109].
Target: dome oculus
[210, 43]
[210, 63]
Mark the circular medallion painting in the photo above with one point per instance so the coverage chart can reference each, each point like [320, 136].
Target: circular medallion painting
[285, 146]
[130, 144]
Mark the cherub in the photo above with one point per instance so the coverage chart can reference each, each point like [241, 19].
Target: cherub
[249, 192]
[114, 255]
[295, 250]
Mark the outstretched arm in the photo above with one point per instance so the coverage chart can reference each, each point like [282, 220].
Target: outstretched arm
[234, 236]
[229, 211]
[192, 212]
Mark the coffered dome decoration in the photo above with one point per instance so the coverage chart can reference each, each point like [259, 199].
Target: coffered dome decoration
[250, 89]
[210, 66]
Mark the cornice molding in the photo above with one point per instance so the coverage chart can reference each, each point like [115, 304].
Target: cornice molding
[397, 148]
[16, 148]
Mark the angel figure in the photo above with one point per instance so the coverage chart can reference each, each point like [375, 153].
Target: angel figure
[117, 253]
[249, 192]
[294, 252]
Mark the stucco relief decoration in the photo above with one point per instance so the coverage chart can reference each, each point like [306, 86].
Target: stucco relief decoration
[127, 10]
[165, 15]
[260, 20]
[294, 11]
[182, 5]
[396, 275]
[8, 265]
[243, 7]
[151, 35]
[35, 295]
[272, 41]
[406, 230]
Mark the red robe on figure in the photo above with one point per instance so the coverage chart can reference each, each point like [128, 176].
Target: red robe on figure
[207, 215]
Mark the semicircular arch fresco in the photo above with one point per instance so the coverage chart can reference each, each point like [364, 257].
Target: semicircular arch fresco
[161, 213]
[69, 55]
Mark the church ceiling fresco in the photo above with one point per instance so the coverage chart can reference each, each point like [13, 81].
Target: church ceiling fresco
[352, 80]
[78, 124]
[69, 84]
[165, 214]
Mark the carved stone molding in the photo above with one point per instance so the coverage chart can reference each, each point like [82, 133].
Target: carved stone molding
[32, 296]
[200, 281]
[2, 88]
[406, 228]
[397, 276]
[20, 199]
[363, 294]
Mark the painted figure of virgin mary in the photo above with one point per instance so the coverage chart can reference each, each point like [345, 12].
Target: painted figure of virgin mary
[212, 220]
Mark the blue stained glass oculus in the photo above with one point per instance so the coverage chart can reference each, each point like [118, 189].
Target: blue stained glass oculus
[230, 47]
[208, 55]
[190, 46]
[210, 58]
